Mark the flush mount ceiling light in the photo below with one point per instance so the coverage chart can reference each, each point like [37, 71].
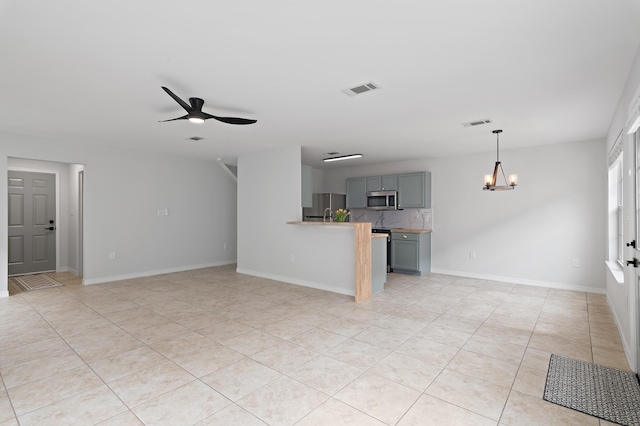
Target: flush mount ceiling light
[490, 181]
[342, 157]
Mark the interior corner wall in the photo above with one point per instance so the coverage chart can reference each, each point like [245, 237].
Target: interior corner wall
[530, 235]
[124, 190]
[269, 195]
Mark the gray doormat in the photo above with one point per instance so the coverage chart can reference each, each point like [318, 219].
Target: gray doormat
[35, 282]
[603, 392]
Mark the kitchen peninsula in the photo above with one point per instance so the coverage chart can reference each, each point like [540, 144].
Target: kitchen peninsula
[363, 255]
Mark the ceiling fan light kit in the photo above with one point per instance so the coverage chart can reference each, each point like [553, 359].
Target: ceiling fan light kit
[490, 181]
[195, 114]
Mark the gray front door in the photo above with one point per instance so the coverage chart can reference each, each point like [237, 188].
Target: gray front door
[32, 222]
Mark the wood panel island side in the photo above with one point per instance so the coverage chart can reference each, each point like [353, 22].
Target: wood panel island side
[363, 255]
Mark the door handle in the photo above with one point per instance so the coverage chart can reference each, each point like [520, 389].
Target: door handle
[50, 228]
[635, 262]
[632, 244]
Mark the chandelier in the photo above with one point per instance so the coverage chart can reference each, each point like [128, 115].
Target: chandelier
[490, 181]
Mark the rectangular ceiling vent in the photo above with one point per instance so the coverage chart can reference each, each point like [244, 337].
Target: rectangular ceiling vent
[477, 122]
[364, 88]
[195, 138]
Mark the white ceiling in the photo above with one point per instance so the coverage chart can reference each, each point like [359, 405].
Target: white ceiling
[545, 71]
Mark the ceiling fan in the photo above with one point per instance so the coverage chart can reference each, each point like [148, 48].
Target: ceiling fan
[195, 114]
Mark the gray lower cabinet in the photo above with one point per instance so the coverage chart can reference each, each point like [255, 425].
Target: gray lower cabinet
[411, 253]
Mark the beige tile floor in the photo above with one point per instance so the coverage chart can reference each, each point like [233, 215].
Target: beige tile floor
[212, 347]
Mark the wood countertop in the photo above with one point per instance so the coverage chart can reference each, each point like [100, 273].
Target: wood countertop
[412, 231]
[378, 235]
[353, 224]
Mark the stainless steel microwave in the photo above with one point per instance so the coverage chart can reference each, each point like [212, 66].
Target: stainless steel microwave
[382, 200]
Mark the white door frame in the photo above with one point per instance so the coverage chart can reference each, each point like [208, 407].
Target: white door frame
[634, 284]
[81, 222]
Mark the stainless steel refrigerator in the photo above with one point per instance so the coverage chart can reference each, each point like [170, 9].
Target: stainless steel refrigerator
[321, 202]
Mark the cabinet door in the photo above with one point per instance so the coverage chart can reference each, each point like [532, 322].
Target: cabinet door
[390, 183]
[405, 255]
[411, 190]
[356, 193]
[374, 183]
[307, 182]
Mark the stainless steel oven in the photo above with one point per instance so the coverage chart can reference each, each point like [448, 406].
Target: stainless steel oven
[388, 232]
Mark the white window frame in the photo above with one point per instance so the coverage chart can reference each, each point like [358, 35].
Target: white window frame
[615, 204]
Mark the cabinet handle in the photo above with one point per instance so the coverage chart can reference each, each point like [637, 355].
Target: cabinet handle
[404, 236]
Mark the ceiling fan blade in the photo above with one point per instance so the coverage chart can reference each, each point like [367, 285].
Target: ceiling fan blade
[184, 117]
[231, 120]
[182, 103]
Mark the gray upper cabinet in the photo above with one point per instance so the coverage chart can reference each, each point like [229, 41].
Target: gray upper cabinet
[307, 186]
[414, 190]
[382, 183]
[357, 193]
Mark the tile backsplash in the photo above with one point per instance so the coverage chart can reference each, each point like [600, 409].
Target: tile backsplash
[407, 219]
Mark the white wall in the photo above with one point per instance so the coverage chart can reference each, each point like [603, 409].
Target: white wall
[123, 191]
[269, 196]
[530, 235]
[621, 295]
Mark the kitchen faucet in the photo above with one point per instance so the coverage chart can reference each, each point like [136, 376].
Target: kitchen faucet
[324, 215]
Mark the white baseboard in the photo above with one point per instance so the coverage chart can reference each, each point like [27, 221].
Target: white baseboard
[67, 269]
[4, 294]
[101, 280]
[625, 344]
[304, 283]
[559, 286]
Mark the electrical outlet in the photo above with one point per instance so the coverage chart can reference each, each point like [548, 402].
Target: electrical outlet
[224, 246]
[472, 254]
[292, 258]
[576, 263]
[112, 255]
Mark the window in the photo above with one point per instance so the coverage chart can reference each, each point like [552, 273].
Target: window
[615, 207]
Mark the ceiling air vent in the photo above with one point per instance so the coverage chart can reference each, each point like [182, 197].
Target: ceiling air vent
[195, 138]
[477, 122]
[364, 88]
